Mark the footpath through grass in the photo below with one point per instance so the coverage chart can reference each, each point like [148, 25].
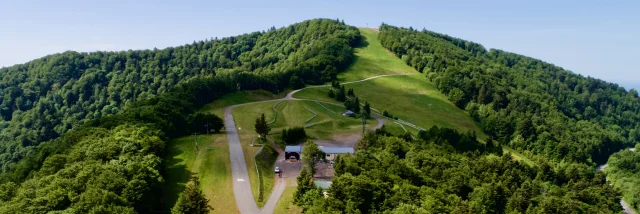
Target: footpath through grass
[212, 165]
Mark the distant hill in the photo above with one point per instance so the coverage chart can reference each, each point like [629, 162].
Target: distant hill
[86, 132]
[525, 103]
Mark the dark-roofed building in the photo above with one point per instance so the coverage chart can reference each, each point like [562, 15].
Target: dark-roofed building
[292, 152]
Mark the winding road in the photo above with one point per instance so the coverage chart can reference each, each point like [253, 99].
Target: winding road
[241, 185]
[625, 206]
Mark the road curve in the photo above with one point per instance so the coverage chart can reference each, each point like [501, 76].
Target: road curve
[241, 185]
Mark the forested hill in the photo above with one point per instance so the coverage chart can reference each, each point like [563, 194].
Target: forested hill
[525, 103]
[44, 98]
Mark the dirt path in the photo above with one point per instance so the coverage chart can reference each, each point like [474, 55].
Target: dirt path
[241, 185]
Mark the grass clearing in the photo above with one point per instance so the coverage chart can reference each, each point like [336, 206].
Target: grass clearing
[403, 96]
[285, 204]
[406, 97]
[329, 120]
[212, 165]
[372, 60]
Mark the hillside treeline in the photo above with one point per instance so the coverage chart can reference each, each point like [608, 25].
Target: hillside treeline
[42, 99]
[525, 103]
[389, 174]
[110, 161]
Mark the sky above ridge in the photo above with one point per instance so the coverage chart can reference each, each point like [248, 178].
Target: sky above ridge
[592, 38]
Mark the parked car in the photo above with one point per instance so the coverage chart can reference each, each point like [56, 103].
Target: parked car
[277, 169]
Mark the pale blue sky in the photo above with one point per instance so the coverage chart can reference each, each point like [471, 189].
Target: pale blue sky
[594, 38]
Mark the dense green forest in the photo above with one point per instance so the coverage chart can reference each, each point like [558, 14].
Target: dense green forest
[44, 98]
[86, 132]
[624, 173]
[527, 104]
[449, 172]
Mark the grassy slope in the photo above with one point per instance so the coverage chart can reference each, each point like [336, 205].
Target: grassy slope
[406, 97]
[211, 163]
[372, 60]
[293, 113]
[402, 96]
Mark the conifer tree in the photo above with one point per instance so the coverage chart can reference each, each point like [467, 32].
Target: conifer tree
[305, 183]
[367, 109]
[356, 105]
[192, 200]
[341, 95]
[262, 128]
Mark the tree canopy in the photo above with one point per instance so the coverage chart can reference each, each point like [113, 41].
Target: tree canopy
[192, 200]
[432, 176]
[86, 132]
[44, 98]
[525, 103]
[624, 172]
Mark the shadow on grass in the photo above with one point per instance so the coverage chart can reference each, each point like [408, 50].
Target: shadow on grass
[176, 176]
[363, 42]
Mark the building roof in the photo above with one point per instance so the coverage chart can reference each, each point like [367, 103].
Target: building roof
[293, 149]
[322, 184]
[336, 150]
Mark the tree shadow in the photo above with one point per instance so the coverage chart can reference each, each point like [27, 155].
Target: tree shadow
[176, 176]
[363, 42]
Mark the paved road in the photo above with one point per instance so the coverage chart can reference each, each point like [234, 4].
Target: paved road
[289, 173]
[241, 185]
[627, 209]
[380, 121]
